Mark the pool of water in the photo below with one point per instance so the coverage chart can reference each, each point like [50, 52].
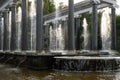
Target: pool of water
[8, 72]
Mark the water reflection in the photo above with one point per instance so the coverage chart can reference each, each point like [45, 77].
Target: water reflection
[10, 73]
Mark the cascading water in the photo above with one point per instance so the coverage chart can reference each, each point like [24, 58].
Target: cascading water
[106, 29]
[56, 21]
[33, 24]
[60, 38]
[56, 34]
[52, 39]
[19, 18]
[85, 34]
[51, 35]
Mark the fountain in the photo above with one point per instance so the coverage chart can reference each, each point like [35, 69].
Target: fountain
[52, 39]
[19, 18]
[56, 34]
[33, 24]
[106, 29]
[94, 60]
[85, 34]
[60, 38]
[32, 36]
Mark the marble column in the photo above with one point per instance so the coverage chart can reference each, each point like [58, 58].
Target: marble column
[39, 27]
[1, 31]
[6, 46]
[71, 36]
[24, 25]
[13, 28]
[94, 27]
[113, 42]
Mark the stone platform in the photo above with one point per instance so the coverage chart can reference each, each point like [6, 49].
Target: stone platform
[29, 60]
[63, 62]
[87, 63]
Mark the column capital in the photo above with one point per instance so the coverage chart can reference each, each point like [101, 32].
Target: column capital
[94, 2]
[115, 5]
[77, 16]
[13, 4]
[1, 14]
[5, 10]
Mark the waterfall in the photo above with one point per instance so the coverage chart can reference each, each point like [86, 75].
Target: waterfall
[19, 18]
[85, 34]
[106, 29]
[33, 24]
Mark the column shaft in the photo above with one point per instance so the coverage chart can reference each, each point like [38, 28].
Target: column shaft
[77, 24]
[24, 25]
[1, 32]
[13, 29]
[71, 36]
[39, 27]
[94, 27]
[113, 43]
[65, 33]
[6, 31]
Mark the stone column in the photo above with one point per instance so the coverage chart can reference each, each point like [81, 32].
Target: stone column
[71, 36]
[13, 28]
[77, 26]
[94, 27]
[1, 32]
[113, 43]
[39, 27]
[6, 46]
[24, 24]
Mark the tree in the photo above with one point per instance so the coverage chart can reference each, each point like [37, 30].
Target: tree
[62, 5]
[49, 6]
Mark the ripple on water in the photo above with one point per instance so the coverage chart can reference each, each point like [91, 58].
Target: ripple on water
[16, 70]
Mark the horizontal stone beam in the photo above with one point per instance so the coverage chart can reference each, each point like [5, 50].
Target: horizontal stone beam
[78, 10]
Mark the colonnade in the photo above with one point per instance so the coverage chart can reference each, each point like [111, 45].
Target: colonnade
[9, 26]
[8, 32]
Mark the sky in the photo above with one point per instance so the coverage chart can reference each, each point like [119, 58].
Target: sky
[75, 1]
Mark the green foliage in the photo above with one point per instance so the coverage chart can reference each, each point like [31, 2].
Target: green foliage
[49, 6]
